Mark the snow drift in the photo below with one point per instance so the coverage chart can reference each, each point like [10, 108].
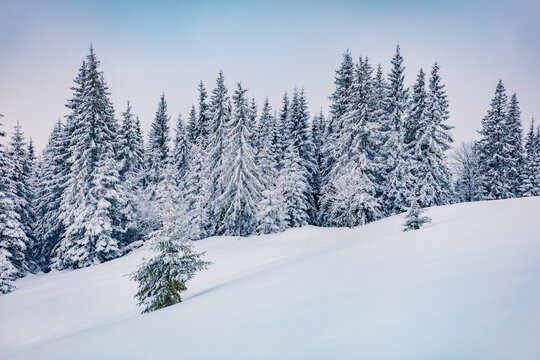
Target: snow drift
[466, 286]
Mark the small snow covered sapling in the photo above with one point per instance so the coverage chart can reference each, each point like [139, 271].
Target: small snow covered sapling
[414, 218]
[162, 278]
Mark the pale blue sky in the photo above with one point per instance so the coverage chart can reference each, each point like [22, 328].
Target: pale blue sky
[271, 46]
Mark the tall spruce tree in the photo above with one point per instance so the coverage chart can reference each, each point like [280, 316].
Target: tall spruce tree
[21, 177]
[340, 98]
[493, 149]
[180, 155]
[298, 135]
[131, 149]
[13, 240]
[281, 127]
[51, 186]
[427, 138]
[350, 193]
[131, 167]
[205, 116]
[515, 145]
[157, 153]
[395, 200]
[530, 175]
[214, 180]
[91, 204]
[242, 190]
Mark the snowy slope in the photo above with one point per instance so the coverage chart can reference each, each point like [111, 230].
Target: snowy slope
[466, 286]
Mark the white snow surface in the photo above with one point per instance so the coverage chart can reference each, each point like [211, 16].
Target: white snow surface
[466, 286]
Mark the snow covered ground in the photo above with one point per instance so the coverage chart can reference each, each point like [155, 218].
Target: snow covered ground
[466, 286]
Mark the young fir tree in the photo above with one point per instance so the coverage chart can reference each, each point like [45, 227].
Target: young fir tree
[214, 179]
[92, 202]
[414, 218]
[157, 153]
[242, 187]
[162, 278]
[21, 177]
[493, 149]
[530, 175]
[12, 237]
[514, 145]
[395, 200]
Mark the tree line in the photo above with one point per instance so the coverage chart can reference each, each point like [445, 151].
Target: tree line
[229, 169]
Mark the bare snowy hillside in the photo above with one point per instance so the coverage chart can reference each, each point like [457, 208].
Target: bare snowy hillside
[466, 286]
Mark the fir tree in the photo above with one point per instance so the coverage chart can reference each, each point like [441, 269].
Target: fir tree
[530, 175]
[493, 149]
[51, 186]
[131, 167]
[298, 137]
[94, 196]
[157, 155]
[426, 140]
[414, 218]
[395, 199]
[180, 155]
[514, 145]
[193, 126]
[293, 184]
[340, 98]
[131, 149]
[317, 134]
[242, 190]
[13, 240]
[282, 130]
[205, 116]
[162, 278]
[195, 193]
[21, 177]
[214, 179]
[354, 204]
[266, 158]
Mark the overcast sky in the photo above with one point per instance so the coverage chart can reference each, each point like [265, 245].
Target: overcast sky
[271, 46]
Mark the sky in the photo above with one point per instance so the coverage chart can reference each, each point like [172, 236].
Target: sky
[147, 48]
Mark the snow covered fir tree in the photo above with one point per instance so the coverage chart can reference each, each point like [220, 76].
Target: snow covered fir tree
[162, 278]
[227, 167]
